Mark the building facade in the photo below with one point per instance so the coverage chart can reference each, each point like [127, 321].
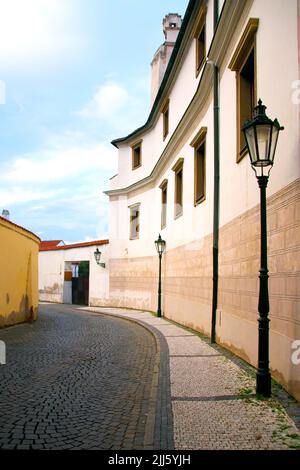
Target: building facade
[70, 274]
[186, 175]
[19, 274]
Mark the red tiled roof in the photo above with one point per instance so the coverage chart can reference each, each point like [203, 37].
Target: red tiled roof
[74, 245]
[49, 243]
[19, 226]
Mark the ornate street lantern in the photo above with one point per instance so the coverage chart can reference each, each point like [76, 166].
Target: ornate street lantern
[160, 247]
[261, 136]
[97, 255]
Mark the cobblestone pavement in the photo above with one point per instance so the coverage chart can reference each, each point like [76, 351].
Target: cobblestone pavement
[76, 380]
[213, 395]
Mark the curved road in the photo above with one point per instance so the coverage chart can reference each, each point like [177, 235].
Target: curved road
[75, 380]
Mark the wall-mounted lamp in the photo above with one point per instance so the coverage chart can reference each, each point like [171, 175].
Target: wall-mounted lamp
[97, 255]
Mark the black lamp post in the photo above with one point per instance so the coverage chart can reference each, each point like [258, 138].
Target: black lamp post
[261, 136]
[160, 247]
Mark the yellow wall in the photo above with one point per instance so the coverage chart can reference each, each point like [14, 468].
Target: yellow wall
[18, 274]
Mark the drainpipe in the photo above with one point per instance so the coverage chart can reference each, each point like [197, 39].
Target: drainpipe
[216, 187]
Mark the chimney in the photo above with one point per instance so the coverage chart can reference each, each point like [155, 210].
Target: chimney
[5, 214]
[171, 26]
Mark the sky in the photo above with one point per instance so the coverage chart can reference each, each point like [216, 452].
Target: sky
[74, 75]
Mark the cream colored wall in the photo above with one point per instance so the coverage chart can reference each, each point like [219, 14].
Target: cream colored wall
[51, 274]
[187, 265]
[278, 99]
[18, 275]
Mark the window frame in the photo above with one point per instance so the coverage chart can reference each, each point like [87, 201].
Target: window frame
[178, 168]
[164, 189]
[201, 27]
[246, 45]
[165, 110]
[198, 141]
[134, 147]
[131, 208]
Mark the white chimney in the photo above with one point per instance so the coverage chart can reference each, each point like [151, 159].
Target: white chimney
[5, 214]
[171, 26]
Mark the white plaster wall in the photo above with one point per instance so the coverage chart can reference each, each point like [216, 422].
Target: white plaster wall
[182, 92]
[238, 186]
[239, 191]
[52, 266]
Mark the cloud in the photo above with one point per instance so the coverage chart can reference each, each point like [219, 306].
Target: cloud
[108, 100]
[118, 108]
[60, 163]
[36, 30]
[20, 195]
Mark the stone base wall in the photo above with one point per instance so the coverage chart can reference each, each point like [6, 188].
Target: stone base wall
[187, 284]
[239, 263]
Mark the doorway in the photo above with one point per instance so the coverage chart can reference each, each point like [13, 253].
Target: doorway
[80, 283]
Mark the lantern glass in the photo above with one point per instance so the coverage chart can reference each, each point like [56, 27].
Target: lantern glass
[97, 255]
[250, 139]
[275, 134]
[160, 245]
[263, 132]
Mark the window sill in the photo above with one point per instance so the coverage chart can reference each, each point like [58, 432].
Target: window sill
[241, 155]
[176, 216]
[198, 69]
[202, 199]
[136, 167]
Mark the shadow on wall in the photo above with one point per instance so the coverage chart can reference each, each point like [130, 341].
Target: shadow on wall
[25, 313]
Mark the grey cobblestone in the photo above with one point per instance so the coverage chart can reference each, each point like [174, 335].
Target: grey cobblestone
[212, 396]
[71, 380]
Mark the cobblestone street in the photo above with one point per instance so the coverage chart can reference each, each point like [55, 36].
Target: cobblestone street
[75, 381]
[95, 378]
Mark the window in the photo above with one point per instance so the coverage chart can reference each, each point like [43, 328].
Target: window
[178, 169]
[136, 155]
[200, 39]
[246, 86]
[134, 221]
[164, 200]
[199, 145]
[244, 64]
[165, 113]
[200, 49]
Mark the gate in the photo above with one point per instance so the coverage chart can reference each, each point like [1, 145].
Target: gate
[80, 284]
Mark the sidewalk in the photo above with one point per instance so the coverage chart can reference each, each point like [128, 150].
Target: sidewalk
[205, 397]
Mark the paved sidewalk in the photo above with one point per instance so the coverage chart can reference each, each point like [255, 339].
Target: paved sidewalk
[212, 399]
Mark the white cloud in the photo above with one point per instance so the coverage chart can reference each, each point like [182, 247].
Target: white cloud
[35, 30]
[16, 195]
[117, 108]
[60, 163]
[108, 101]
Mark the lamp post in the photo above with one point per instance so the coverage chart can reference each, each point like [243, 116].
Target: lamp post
[261, 135]
[160, 247]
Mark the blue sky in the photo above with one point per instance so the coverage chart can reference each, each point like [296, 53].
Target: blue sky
[75, 74]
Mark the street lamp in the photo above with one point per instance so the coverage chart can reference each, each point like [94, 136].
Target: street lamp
[160, 247]
[261, 135]
[97, 255]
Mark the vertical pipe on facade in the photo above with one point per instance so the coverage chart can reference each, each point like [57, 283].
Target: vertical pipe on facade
[216, 187]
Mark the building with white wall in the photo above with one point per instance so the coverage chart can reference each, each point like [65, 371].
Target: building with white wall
[185, 174]
[59, 272]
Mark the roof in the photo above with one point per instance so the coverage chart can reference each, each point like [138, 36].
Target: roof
[19, 226]
[50, 243]
[156, 104]
[73, 245]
